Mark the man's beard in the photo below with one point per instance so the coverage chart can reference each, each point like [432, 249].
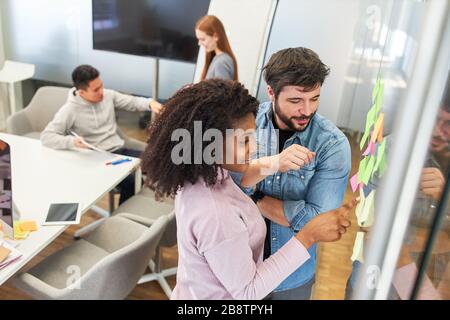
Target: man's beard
[288, 121]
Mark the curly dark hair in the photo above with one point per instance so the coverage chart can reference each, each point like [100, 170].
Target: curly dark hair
[295, 67]
[218, 104]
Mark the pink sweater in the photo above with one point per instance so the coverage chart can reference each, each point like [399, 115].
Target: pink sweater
[220, 244]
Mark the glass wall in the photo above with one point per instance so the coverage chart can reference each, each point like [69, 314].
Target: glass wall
[389, 64]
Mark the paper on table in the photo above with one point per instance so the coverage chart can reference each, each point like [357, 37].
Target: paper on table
[90, 146]
[4, 253]
[358, 248]
[13, 255]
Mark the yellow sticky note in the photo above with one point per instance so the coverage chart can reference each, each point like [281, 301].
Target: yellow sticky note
[28, 225]
[19, 234]
[358, 248]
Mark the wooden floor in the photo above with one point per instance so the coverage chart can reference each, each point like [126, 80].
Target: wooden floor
[334, 265]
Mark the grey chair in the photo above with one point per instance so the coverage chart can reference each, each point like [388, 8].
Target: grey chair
[107, 264]
[144, 209]
[33, 119]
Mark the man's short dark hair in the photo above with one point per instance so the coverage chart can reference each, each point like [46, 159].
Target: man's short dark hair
[295, 67]
[84, 74]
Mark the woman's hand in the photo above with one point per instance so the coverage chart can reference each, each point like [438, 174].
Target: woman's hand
[328, 226]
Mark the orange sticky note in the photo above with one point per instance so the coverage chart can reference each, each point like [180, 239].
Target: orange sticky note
[28, 225]
[378, 125]
[4, 253]
[380, 134]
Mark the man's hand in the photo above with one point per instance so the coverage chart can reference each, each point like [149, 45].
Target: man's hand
[432, 183]
[155, 106]
[328, 226]
[79, 143]
[292, 158]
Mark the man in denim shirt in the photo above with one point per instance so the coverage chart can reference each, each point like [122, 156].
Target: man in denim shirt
[289, 200]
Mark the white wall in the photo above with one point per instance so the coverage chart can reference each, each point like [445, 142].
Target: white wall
[56, 36]
[325, 26]
[246, 24]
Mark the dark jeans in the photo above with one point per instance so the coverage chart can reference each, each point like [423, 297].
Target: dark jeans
[300, 293]
[126, 187]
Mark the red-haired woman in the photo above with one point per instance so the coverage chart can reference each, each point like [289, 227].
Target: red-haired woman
[220, 61]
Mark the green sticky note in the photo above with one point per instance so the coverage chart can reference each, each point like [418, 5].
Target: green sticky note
[368, 170]
[362, 168]
[364, 139]
[383, 165]
[380, 155]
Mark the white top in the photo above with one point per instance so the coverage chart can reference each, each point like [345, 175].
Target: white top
[41, 176]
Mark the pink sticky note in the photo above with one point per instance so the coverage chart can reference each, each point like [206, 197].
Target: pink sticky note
[367, 152]
[372, 148]
[354, 182]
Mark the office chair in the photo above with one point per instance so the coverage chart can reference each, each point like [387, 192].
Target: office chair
[144, 209]
[106, 264]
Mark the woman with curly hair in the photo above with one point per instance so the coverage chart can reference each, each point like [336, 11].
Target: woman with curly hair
[219, 228]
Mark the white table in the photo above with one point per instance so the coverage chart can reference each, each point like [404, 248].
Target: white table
[12, 73]
[41, 176]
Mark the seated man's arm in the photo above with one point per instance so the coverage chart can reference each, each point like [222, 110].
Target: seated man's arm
[325, 192]
[133, 104]
[56, 134]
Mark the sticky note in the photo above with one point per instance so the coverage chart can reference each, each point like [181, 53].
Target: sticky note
[354, 182]
[378, 125]
[358, 248]
[28, 225]
[362, 168]
[370, 121]
[367, 170]
[380, 155]
[366, 216]
[360, 206]
[378, 94]
[364, 139]
[4, 253]
[19, 234]
[380, 134]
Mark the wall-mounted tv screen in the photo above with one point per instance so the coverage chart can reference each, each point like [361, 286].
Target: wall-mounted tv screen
[157, 28]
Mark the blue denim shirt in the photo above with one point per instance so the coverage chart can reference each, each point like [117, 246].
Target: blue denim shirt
[313, 189]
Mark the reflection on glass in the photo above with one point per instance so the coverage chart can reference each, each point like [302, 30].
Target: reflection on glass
[435, 282]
